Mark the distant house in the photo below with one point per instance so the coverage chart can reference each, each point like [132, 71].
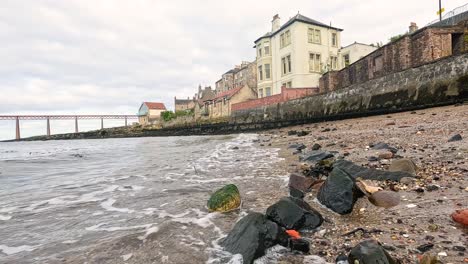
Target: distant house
[202, 97]
[184, 104]
[220, 105]
[150, 112]
[354, 52]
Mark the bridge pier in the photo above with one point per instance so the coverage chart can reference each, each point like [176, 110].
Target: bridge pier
[48, 127]
[102, 123]
[125, 121]
[76, 124]
[18, 134]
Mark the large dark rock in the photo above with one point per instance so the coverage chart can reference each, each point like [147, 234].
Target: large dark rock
[252, 235]
[356, 171]
[316, 155]
[370, 252]
[339, 192]
[293, 213]
[293, 192]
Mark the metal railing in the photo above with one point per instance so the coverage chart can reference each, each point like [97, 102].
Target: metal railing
[454, 12]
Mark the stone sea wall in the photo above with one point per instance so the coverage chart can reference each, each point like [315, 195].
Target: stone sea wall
[439, 83]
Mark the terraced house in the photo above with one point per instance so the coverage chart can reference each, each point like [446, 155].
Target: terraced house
[295, 54]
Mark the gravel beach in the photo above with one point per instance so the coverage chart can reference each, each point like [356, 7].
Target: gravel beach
[422, 221]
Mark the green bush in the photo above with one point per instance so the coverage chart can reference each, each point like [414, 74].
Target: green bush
[169, 115]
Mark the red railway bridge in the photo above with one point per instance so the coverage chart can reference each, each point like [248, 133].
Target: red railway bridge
[17, 118]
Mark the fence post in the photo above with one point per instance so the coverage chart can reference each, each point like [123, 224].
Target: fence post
[48, 126]
[76, 124]
[18, 134]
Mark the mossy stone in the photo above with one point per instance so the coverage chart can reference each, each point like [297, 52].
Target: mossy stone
[225, 199]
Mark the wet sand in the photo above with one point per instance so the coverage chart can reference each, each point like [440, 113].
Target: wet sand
[423, 216]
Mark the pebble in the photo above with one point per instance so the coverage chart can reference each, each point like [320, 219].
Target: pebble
[442, 254]
[456, 137]
[432, 187]
[459, 248]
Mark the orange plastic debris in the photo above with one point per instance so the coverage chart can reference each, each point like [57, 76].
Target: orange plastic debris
[293, 233]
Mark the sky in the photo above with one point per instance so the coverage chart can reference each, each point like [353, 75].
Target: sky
[108, 56]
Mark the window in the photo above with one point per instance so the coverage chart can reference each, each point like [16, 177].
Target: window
[346, 60]
[334, 40]
[314, 36]
[317, 36]
[267, 71]
[314, 62]
[267, 47]
[285, 39]
[260, 93]
[287, 84]
[310, 35]
[260, 73]
[288, 37]
[334, 62]
[378, 63]
[267, 91]
[286, 64]
[259, 48]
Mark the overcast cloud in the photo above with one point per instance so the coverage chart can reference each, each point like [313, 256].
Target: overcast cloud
[107, 56]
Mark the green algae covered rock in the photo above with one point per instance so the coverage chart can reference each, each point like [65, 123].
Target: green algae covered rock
[225, 199]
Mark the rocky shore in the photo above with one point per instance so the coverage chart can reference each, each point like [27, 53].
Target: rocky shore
[394, 185]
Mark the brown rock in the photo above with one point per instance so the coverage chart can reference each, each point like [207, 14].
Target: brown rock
[300, 182]
[386, 155]
[461, 216]
[405, 165]
[385, 199]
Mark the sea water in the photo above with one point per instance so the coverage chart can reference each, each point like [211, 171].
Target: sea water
[137, 200]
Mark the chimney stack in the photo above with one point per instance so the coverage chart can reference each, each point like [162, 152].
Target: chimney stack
[275, 23]
[413, 27]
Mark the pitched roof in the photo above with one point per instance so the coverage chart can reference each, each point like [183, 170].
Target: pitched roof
[228, 93]
[299, 18]
[155, 105]
[183, 101]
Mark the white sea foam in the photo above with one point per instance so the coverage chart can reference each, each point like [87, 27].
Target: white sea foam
[272, 255]
[149, 231]
[71, 199]
[107, 205]
[203, 220]
[99, 227]
[5, 217]
[13, 250]
[8, 209]
[72, 241]
[236, 259]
